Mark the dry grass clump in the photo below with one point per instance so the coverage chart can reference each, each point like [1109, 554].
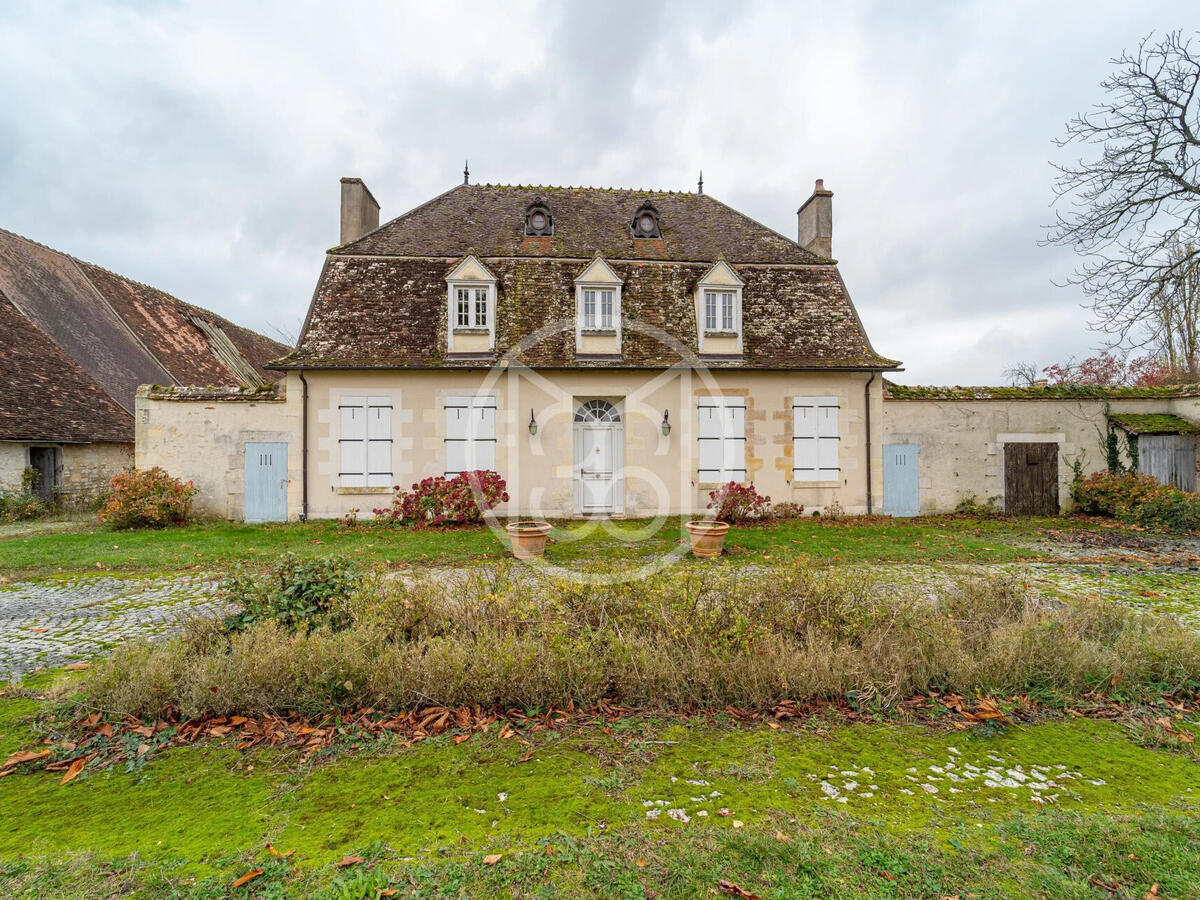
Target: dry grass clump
[678, 639]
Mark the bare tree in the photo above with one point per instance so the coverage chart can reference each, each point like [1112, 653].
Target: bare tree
[1023, 374]
[1131, 209]
[1176, 328]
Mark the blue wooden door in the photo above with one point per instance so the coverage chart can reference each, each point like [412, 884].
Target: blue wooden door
[900, 497]
[266, 482]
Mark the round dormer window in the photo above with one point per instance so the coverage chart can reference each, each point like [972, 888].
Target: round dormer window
[645, 222]
[538, 221]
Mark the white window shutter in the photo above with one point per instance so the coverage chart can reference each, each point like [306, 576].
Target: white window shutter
[354, 419]
[804, 439]
[352, 442]
[470, 434]
[710, 418]
[458, 417]
[735, 439]
[827, 441]
[456, 457]
[483, 433]
[722, 432]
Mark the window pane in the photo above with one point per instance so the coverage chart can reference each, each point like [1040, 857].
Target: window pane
[606, 309]
[710, 311]
[481, 307]
[589, 309]
[464, 313]
[727, 312]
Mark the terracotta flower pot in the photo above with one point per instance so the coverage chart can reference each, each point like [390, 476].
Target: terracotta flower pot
[707, 537]
[528, 539]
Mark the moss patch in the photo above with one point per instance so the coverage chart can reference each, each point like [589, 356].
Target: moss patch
[487, 795]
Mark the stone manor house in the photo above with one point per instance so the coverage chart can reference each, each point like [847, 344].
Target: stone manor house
[619, 353]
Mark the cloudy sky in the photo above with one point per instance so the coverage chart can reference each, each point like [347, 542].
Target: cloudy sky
[198, 146]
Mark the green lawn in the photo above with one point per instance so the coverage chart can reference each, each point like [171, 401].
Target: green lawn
[587, 812]
[213, 545]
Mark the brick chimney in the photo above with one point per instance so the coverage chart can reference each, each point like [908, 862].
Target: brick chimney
[360, 211]
[815, 219]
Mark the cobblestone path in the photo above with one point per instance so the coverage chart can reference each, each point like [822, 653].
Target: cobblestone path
[51, 622]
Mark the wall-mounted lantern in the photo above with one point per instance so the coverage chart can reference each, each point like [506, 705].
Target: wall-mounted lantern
[532, 422]
[666, 425]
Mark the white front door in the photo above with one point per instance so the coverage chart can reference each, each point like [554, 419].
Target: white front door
[597, 457]
[596, 468]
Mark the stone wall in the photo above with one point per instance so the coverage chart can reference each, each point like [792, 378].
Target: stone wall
[961, 441]
[14, 458]
[200, 436]
[88, 468]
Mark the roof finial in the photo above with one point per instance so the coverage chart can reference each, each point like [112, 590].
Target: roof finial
[466, 171]
[700, 187]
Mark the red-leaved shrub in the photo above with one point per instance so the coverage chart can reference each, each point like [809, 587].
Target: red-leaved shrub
[1138, 500]
[461, 500]
[147, 498]
[738, 504]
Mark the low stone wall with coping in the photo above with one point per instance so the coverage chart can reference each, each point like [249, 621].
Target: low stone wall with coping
[961, 432]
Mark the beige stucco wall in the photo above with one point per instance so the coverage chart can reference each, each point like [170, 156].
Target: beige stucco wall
[660, 472]
[961, 442]
[203, 441]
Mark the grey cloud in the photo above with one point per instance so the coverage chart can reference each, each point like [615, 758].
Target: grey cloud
[198, 147]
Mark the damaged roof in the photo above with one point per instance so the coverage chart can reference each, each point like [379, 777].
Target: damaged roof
[71, 324]
[381, 300]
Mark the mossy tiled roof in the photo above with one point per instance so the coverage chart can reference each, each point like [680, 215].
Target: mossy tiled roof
[381, 300]
[1043, 392]
[1154, 423]
[489, 220]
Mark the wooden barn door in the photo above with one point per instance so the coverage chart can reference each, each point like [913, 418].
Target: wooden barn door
[1171, 458]
[1031, 479]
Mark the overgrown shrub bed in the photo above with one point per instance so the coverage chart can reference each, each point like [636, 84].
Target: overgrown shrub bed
[1137, 500]
[676, 640]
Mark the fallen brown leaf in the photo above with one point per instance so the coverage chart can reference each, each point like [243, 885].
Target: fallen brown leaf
[731, 889]
[346, 861]
[492, 858]
[247, 878]
[78, 667]
[24, 756]
[74, 769]
[783, 838]
[271, 849]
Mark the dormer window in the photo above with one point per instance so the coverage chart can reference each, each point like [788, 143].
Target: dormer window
[645, 222]
[538, 221]
[598, 310]
[471, 308]
[719, 311]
